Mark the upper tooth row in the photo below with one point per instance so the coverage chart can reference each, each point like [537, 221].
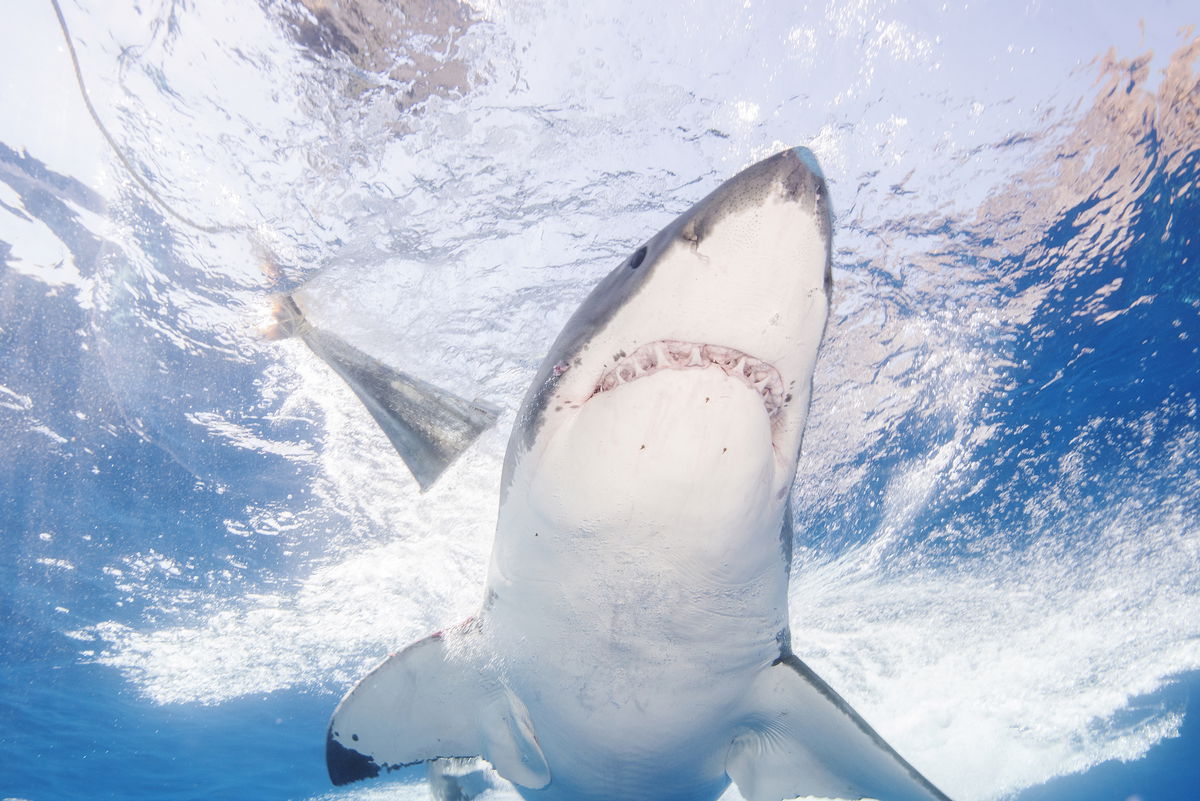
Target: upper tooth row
[673, 354]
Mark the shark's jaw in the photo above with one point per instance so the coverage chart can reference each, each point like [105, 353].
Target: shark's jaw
[738, 287]
[674, 354]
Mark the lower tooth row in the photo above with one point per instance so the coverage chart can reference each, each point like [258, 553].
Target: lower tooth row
[666, 356]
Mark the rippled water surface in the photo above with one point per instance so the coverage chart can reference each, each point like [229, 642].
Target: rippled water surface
[208, 539]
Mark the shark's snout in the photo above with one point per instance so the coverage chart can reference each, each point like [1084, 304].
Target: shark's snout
[809, 160]
[805, 183]
[789, 177]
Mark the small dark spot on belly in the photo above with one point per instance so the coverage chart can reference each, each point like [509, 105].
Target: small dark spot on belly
[724, 450]
[642, 448]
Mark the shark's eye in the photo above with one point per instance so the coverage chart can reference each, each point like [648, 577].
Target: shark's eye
[635, 260]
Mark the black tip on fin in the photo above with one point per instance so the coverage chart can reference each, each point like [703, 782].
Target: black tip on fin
[346, 765]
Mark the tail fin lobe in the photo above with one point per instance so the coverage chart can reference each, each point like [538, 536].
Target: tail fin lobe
[428, 426]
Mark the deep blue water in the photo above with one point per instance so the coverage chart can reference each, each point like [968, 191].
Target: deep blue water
[1010, 377]
[1170, 770]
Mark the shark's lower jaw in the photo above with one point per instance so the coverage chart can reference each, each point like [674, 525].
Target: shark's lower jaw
[674, 354]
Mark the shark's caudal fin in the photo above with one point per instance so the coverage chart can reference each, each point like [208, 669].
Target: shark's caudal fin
[804, 740]
[432, 700]
[428, 426]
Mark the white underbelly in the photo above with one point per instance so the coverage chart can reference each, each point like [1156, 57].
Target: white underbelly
[633, 661]
[637, 582]
[628, 692]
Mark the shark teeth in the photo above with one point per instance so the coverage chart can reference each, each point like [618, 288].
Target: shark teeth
[673, 354]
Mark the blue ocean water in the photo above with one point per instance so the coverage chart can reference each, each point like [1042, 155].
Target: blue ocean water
[998, 511]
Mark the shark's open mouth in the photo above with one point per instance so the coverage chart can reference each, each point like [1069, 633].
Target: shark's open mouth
[673, 354]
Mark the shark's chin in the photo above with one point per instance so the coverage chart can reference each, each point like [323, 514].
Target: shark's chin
[684, 430]
[691, 434]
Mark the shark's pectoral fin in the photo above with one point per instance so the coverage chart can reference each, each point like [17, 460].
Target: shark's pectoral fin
[802, 739]
[428, 702]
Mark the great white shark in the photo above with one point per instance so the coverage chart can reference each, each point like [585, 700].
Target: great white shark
[633, 642]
